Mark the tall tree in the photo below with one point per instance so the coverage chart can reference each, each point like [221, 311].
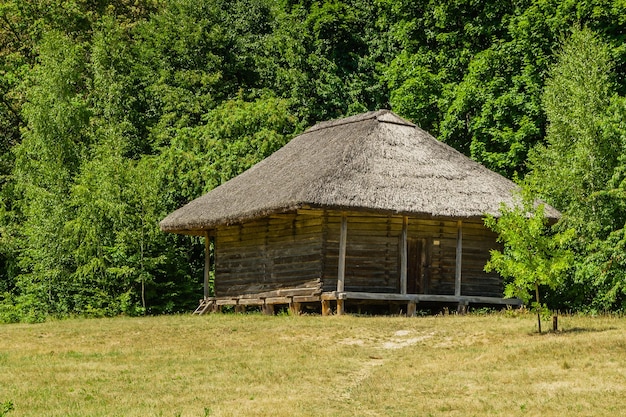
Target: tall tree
[48, 157]
[579, 169]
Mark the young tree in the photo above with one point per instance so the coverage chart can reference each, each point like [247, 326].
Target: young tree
[533, 253]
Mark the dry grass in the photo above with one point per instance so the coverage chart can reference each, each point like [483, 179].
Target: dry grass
[284, 366]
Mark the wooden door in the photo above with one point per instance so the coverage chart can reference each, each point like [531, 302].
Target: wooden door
[418, 266]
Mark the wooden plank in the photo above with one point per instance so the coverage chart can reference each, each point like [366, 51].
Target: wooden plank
[341, 269]
[250, 302]
[459, 255]
[403, 255]
[226, 301]
[207, 263]
[284, 292]
[306, 299]
[375, 296]
[427, 297]
[277, 300]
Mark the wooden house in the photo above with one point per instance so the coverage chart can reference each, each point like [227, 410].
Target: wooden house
[364, 209]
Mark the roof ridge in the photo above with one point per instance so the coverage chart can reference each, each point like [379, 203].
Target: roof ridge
[382, 115]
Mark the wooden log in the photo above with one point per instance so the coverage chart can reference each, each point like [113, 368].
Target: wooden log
[326, 308]
[226, 302]
[240, 309]
[462, 308]
[295, 308]
[459, 254]
[268, 309]
[306, 299]
[250, 302]
[207, 263]
[341, 270]
[404, 255]
[411, 309]
[278, 300]
[340, 308]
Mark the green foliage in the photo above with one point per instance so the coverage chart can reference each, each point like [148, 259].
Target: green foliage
[112, 114]
[533, 254]
[579, 169]
[5, 407]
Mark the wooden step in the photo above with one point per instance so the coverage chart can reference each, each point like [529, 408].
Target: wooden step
[204, 306]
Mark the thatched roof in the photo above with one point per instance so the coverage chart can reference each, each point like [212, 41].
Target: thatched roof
[374, 161]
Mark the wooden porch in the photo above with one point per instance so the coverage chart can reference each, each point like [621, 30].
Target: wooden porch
[268, 304]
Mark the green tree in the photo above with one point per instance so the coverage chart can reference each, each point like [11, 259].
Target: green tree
[50, 153]
[579, 169]
[533, 254]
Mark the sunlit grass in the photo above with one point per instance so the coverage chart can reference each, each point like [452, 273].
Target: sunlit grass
[232, 365]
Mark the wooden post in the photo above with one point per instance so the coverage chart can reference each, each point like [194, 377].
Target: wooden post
[268, 309]
[411, 309]
[325, 307]
[462, 308]
[341, 270]
[240, 309]
[459, 255]
[294, 308]
[404, 255]
[340, 308]
[207, 263]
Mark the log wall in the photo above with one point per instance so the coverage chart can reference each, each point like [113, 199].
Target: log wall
[372, 252]
[477, 242]
[301, 250]
[283, 251]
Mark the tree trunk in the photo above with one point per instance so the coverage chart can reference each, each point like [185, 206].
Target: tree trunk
[538, 307]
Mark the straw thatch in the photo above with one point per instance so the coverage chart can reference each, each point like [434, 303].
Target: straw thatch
[374, 161]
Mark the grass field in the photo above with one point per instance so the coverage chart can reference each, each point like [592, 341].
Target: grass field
[233, 365]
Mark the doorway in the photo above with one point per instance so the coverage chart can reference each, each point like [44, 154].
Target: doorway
[419, 253]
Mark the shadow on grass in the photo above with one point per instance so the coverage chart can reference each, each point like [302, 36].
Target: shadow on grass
[573, 330]
[584, 330]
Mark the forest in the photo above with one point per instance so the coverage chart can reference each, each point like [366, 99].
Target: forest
[114, 113]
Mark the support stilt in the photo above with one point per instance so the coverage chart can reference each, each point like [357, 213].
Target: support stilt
[340, 308]
[326, 308]
[411, 309]
[294, 308]
[268, 309]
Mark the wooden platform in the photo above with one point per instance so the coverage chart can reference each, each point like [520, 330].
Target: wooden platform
[267, 302]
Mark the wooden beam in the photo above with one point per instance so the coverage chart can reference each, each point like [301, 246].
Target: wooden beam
[341, 270]
[277, 300]
[403, 255]
[207, 263]
[459, 255]
[306, 299]
[226, 301]
[422, 297]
